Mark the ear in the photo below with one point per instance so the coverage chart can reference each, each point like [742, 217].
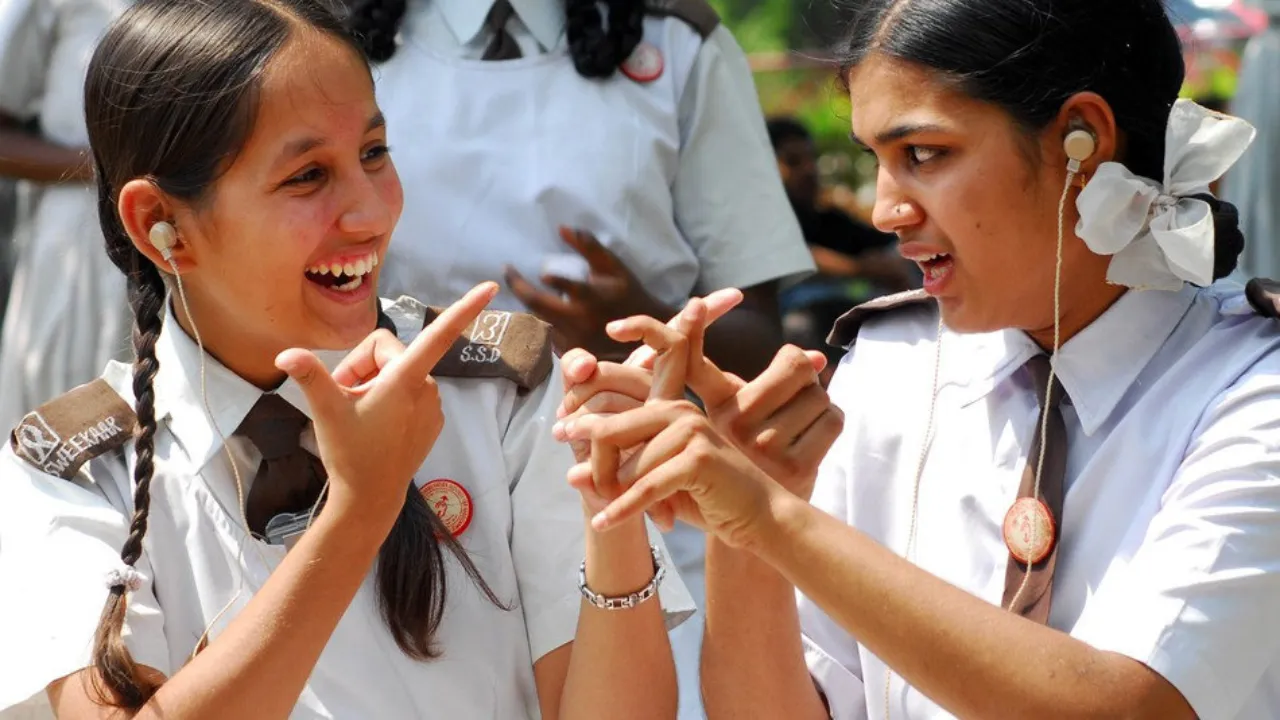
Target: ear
[141, 206]
[1091, 111]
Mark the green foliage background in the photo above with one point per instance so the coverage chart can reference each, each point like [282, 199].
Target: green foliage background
[807, 29]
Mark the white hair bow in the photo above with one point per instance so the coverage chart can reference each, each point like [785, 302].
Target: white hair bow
[1159, 236]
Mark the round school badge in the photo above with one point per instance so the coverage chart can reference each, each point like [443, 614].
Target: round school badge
[451, 503]
[1029, 530]
[645, 64]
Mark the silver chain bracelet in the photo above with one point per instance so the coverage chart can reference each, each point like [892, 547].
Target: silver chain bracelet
[624, 602]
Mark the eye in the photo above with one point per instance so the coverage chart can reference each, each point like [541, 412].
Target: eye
[918, 155]
[376, 153]
[306, 177]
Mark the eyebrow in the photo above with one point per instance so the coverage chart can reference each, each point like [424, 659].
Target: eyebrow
[302, 146]
[898, 133]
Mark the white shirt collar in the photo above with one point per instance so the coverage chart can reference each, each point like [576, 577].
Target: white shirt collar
[230, 397]
[1096, 367]
[1099, 365]
[465, 18]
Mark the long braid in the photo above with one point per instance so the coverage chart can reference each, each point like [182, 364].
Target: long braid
[119, 680]
[596, 50]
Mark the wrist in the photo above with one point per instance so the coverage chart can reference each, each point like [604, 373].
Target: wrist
[358, 518]
[787, 516]
[618, 561]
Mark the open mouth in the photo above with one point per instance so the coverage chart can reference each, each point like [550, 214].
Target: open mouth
[346, 276]
[934, 266]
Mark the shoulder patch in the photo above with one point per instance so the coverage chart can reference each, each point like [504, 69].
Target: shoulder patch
[697, 13]
[62, 435]
[846, 328]
[1264, 296]
[499, 344]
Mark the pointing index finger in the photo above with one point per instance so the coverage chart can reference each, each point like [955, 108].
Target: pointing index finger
[435, 340]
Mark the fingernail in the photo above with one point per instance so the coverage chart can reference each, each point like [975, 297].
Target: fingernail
[614, 326]
[600, 522]
[557, 430]
[560, 413]
[578, 365]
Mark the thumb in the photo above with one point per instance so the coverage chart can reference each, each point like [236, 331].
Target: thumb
[818, 358]
[322, 391]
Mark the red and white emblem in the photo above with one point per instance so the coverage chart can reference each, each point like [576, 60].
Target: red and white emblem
[451, 502]
[1028, 530]
[645, 64]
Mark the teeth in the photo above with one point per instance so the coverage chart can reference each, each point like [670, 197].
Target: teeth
[355, 268]
[348, 287]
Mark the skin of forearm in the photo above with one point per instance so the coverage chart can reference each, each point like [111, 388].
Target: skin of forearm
[621, 665]
[28, 157]
[752, 660]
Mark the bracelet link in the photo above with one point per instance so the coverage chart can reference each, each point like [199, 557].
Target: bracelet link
[631, 600]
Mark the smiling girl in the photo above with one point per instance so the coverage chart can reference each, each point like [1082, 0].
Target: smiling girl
[242, 165]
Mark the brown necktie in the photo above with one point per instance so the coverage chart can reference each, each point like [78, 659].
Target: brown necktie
[502, 46]
[289, 478]
[1033, 603]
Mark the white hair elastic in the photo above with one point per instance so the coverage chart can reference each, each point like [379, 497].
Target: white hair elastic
[126, 577]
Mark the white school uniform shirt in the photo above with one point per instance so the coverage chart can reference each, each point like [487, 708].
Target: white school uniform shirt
[1170, 538]
[67, 312]
[676, 177]
[525, 537]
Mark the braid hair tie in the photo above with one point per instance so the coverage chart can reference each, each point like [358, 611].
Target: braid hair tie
[124, 577]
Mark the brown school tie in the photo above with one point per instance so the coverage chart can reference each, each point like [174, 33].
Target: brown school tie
[502, 46]
[289, 478]
[1034, 601]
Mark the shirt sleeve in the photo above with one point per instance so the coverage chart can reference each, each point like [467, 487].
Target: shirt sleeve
[829, 651]
[1196, 602]
[548, 526]
[26, 39]
[58, 541]
[728, 195]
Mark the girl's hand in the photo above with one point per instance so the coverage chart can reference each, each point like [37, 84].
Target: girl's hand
[679, 458]
[375, 436]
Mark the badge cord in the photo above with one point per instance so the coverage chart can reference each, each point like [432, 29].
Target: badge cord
[1079, 146]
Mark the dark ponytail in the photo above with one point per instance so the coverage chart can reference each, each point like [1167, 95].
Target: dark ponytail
[1228, 241]
[375, 24]
[171, 96]
[597, 50]
[410, 566]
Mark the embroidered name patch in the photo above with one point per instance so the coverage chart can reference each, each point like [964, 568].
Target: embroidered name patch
[62, 435]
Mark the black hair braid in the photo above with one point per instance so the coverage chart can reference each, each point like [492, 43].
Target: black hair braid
[596, 50]
[375, 24]
[119, 679]
[146, 295]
